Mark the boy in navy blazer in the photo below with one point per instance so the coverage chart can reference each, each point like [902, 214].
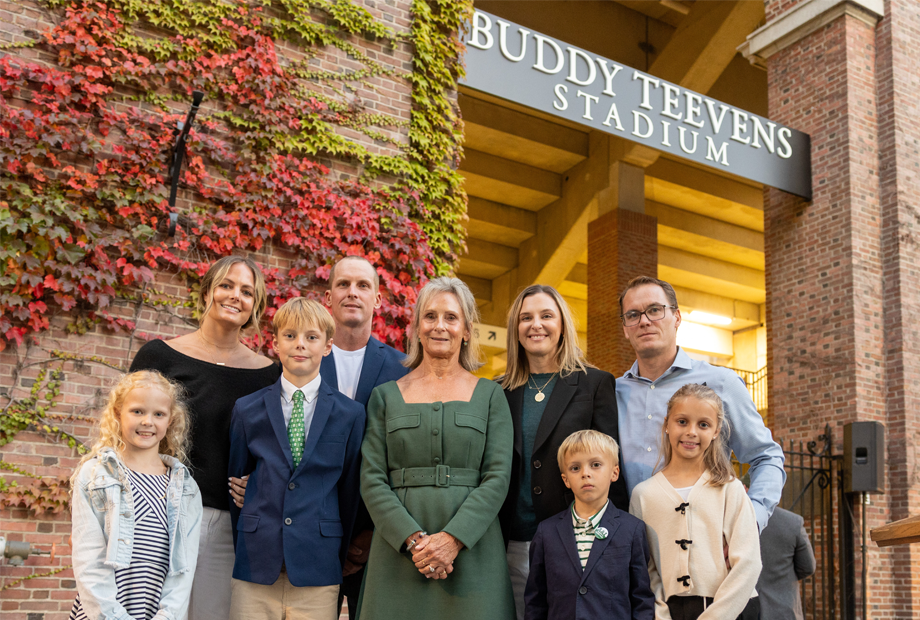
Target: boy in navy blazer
[300, 441]
[590, 561]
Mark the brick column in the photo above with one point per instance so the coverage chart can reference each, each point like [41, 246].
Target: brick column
[841, 271]
[823, 263]
[898, 68]
[621, 245]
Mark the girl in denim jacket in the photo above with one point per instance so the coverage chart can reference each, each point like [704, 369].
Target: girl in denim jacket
[136, 510]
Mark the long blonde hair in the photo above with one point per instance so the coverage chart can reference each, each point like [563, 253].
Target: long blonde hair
[216, 274]
[569, 356]
[469, 352]
[716, 457]
[176, 441]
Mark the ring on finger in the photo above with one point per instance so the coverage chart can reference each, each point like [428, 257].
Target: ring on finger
[430, 568]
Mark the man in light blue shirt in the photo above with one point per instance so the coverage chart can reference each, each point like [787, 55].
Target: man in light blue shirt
[650, 320]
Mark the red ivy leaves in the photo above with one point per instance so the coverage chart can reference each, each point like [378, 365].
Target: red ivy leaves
[83, 178]
[44, 495]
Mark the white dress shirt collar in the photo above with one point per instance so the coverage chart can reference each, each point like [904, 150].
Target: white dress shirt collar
[310, 390]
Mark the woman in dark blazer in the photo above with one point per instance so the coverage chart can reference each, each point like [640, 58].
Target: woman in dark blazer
[552, 392]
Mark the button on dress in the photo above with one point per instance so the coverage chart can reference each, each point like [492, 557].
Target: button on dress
[475, 437]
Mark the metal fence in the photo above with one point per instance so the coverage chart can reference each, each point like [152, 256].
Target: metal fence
[812, 478]
[756, 382]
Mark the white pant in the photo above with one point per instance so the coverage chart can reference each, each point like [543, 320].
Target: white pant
[211, 588]
[518, 569]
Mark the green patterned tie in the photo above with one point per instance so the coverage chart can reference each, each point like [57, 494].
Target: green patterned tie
[296, 429]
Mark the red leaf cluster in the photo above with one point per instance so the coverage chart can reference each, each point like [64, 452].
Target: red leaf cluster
[83, 177]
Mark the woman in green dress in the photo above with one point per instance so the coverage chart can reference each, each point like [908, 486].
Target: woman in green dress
[437, 461]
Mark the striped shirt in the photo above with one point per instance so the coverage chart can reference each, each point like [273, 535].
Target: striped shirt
[584, 532]
[139, 585]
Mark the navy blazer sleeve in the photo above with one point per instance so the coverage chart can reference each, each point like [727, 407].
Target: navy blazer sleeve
[641, 597]
[536, 606]
[241, 459]
[349, 487]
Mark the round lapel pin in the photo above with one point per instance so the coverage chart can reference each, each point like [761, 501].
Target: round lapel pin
[600, 533]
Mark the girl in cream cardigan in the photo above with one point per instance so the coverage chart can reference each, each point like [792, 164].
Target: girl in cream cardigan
[694, 508]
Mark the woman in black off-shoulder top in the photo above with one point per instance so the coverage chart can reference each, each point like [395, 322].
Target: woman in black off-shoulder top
[216, 369]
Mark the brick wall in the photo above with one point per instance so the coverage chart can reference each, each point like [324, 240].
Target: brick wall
[898, 68]
[621, 245]
[841, 270]
[85, 383]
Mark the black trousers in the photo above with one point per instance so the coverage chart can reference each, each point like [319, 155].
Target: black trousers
[691, 608]
[351, 588]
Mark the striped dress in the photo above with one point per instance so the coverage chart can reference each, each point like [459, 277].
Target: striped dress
[140, 584]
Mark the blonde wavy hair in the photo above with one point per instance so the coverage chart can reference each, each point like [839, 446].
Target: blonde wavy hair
[569, 356]
[470, 352]
[175, 443]
[216, 274]
[716, 457]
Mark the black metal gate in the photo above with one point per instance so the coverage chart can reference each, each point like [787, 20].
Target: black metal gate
[814, 490]
[812, 477]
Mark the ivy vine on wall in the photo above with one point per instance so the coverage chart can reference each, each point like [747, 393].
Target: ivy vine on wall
[83, 177]
[85, 138]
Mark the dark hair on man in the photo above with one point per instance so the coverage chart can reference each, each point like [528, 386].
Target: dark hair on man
[643, 280]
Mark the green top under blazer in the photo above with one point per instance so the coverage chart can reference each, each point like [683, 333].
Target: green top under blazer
[437, 467]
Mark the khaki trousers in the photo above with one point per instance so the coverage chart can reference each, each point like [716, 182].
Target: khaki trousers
[282, 601]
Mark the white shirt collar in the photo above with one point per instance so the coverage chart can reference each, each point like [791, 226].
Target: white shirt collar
[310, 390]
[592, 521]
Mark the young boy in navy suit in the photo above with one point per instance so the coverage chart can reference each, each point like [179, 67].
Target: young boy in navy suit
[590, 561]
[300, 441]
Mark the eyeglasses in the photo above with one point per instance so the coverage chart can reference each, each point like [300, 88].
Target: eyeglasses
[655, 312]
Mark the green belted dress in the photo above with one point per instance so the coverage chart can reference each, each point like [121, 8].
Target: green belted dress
[437, 467]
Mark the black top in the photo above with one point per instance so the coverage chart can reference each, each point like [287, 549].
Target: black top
[579, 401]
[211, 392]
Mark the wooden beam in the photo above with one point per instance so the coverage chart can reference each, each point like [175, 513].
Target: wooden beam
[514, 124]
[500, 223]
[578, 274]
[509, 182]
[707, 227]
[699, 273]
[707, 182]
[493, 253]
[480, 287]
[654, 10]
[901, 532]
[703, 235]
[705, 42]
[717, 304]
[711, 267]
[700, 49]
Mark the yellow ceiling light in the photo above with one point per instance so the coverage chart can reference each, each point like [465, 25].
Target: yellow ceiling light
[710, 319]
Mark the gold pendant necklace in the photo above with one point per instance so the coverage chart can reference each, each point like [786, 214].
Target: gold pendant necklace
[211, 344]
[539, 396]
